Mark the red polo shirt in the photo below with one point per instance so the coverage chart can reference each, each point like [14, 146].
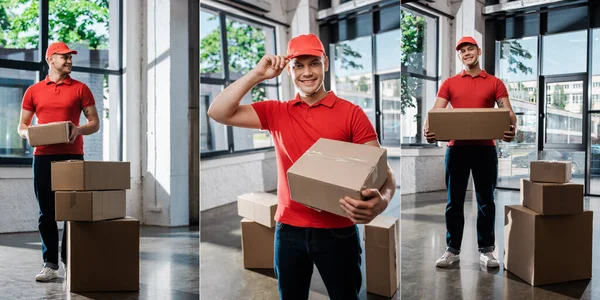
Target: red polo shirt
[466, 91]
[52, 102]
[295, 127]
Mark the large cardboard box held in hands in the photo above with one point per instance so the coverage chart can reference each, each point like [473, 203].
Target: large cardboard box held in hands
[331, 170]
[552, 198]
[257, 245]
[382, 255]
[469, 123]
[550, 171]
[547, 249]
[103, 256]
[258, 207]
[89, 206]
[48, 134]
[78, 175]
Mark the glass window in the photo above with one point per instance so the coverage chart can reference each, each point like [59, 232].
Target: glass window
[13, 84]
[19, 30]
[388, 47]
[419, 43]
[389, 19]
[211, 55]
[356, 26]
[517, 68]
[567, 19]
[595, 69]
[244, 138]
[85, 28]
[213, 135]
[352, 73]
[521, 26]
[247, 43]
[391, 108]
[554, 48]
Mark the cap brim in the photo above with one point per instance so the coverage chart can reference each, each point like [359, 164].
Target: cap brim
[307, 52]
[66, 52]
[461, 44]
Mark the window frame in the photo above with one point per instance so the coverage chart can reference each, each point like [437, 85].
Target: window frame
[41, 67]
[435, 78]
[226, 79]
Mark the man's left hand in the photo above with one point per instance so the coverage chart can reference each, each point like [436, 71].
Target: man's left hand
[75, 132]
[509, 135]
[364, 211]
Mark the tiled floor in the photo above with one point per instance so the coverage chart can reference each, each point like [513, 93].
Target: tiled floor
[168, 267]
[423, 241]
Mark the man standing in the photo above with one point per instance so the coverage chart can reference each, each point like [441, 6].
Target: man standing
[56, 98]
[472, 88]
[303, 236]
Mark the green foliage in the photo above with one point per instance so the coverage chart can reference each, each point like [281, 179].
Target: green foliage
[515, 56]
[413, 34]
[559, 98]
[70, 21]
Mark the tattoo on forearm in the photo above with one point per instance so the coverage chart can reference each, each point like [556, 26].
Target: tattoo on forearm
[500, 103]
[86, 112]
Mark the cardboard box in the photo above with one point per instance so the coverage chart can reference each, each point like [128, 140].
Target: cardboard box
[550, 171]
[103, 256]
[48, 134]
[90, 206]
[78, 175]
[552, 198]
[469, 123]
[257, 245]
[382, 255]
[258, 207]
[547, 249]
[331, 170]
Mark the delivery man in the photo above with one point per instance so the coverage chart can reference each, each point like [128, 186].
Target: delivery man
[472, 88]
[303, 236]
[56, 98]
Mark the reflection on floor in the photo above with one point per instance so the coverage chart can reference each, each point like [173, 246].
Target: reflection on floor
[221, 260]
[423, 241]
[168, 267]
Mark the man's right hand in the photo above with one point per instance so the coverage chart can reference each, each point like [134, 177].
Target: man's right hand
[270, 66]
[430, 136]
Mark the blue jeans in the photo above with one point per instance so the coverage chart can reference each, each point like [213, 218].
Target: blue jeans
[482, 161]
[46, 212]
[336, 253]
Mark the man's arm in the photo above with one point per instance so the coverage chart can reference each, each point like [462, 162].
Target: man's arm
[364, 211]
[92, 125]
[505, 103]
[26, 117]
[226, 108]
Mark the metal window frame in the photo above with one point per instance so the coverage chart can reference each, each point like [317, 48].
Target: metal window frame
[436, 78]
[542, 80]
[226, 79]
[41, 67]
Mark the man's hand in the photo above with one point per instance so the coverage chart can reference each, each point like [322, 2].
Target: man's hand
[510, 134]
[75, 131]
[270, 66]
[364, 211]
[430, 136]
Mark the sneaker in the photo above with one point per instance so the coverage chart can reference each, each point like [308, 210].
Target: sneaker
[447, 259]
[489, 260]
[46, 274]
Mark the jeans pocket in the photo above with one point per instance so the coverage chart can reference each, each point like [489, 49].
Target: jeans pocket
[279, 225]
[342, 233]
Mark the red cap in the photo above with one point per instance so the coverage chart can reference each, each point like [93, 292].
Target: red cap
[466, 40]
[58, 48]
[305, 44]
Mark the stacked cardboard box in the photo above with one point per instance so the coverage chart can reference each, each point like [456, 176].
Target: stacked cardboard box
[382, 255]
[103, 244]
[548, 239]
[258, 229]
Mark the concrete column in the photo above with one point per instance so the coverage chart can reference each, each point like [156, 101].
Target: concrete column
[133, 44]
[305, 18]
[469, 21]
[165, 188]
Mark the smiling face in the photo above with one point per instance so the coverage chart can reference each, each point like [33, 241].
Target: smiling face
[469, 55]
[62, 63]
[307, 73]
